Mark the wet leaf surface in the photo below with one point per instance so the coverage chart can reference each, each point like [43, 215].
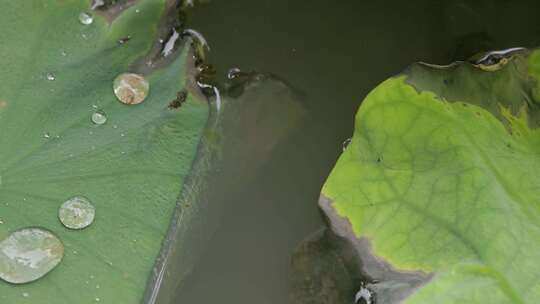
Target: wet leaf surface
[56, 73]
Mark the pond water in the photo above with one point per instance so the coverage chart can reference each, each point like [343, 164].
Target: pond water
[334, 52]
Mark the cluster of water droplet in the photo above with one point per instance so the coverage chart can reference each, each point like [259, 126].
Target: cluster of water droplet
[30, 253]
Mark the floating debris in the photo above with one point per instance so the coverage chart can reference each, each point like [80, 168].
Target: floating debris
[206, 73]
[181, 97]
[198, 36]
[169, 46]
[124, 40]
[492, 57]
[99, 117]
[131, 88]
[77, 213]
[495, 60]
[346, 143]
[28, 254]
[86, 18]
[216, 92]
[204, 85]
[363, 296]
[97, 3]
[233, 72]
[218, 99]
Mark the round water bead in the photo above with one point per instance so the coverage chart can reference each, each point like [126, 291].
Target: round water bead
[86, 18]
[28, 254]
[77, 213]
[99, 117]
[131, 88]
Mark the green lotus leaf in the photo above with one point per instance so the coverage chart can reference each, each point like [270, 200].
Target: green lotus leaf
[55, 73]
[439, 189]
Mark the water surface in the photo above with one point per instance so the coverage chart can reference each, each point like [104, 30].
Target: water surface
[335, 52]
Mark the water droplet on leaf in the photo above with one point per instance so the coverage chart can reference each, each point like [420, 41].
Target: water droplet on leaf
[131, 88]
[28, 254]
[99, 118]
[86, 18]
[77, 213]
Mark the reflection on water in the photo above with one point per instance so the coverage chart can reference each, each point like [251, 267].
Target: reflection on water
[335, 52]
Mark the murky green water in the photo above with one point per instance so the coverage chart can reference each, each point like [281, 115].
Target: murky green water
[334, 52]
